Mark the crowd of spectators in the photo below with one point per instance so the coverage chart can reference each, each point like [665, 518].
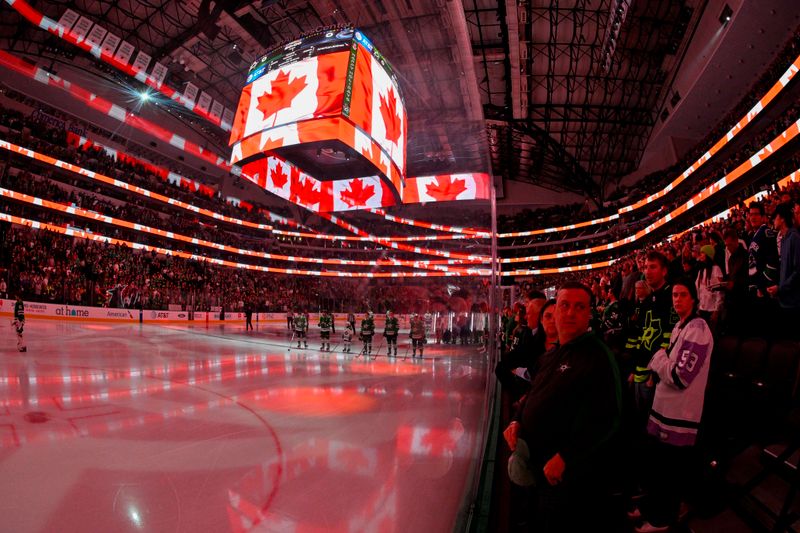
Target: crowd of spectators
[739, 277]
[48, 267]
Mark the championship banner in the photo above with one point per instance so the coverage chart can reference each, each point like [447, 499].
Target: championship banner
[68, 19]
[110, 44]
[96, 36]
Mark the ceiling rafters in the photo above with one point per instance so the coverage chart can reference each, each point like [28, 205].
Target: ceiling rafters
[586, 119]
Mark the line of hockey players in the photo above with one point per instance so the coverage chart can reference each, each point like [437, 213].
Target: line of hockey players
[419, 327]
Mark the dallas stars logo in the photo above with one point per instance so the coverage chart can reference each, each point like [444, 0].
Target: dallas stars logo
[652, 330]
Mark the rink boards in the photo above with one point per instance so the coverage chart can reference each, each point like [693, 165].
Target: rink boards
[49, 311]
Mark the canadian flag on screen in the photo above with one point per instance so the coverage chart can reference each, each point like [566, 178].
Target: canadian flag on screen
[388, 116]
[306, 89]
[256, 171]
[360, 193]
[446, 187]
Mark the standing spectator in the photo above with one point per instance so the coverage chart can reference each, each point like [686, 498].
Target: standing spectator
[735, 300]
[651, 333]
[3, 289]
[567, 420]
[787, 290]
[709, 285]
[525, 352]
[677, 409]
[763, 263]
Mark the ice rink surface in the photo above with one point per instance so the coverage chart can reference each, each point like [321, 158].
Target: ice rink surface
[173, 428]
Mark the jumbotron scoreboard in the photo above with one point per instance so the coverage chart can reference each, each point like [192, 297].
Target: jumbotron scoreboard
[328, 106]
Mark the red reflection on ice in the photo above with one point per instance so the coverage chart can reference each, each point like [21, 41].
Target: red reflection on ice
[310, 401]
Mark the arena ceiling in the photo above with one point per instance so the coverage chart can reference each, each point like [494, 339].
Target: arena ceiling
[566, 91]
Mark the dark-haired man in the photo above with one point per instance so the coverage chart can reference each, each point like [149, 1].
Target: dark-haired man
[735, 282]
[650, 333]
[763, 264]
[569, 415]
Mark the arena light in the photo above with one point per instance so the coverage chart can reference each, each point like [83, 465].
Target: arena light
[189, 207]
[470, 232]
[38, 19]
[93, 215]
[754, 160]
[113, 110]
[743, 122]
[144, 96]
[96, 237]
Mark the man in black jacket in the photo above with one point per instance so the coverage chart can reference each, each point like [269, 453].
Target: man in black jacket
[568, 419]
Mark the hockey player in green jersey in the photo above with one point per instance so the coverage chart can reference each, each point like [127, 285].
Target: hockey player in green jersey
[300, 329]
[390, 331]
[325, 327]
[367, 331]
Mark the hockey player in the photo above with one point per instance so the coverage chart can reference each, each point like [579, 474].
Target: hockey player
[347, 337]
[300, 329]
[325, 326]
[367, 331]
[428, 319]
[390, 331]
[19, 323]
[417, 334]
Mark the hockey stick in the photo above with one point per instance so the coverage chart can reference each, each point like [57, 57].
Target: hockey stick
[378, 350]
[405, 355]
[291, 340]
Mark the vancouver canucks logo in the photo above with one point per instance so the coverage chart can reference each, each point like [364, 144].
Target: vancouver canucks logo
[652, 330]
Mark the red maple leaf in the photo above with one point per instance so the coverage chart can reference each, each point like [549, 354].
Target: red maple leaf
[357, 194]
[445, 188]
[390, 118]
[282, 92]
[279, 177]
[302, 191]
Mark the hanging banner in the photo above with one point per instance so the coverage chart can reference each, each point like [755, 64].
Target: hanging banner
[82, 28]
[159, 73]
[227, 118]
[141, 62]
[190, 93]
[216, 110]
[68, 19]
[96, 35]
[204, 103]
[124, 52]
[110, 44]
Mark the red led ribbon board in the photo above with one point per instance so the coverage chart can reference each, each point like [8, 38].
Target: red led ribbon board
[329, 105]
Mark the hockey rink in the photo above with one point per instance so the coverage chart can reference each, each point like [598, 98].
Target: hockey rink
[172, 428]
